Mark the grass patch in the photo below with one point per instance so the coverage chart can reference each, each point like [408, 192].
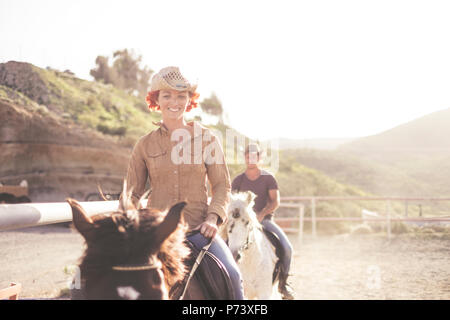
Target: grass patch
[94, 105]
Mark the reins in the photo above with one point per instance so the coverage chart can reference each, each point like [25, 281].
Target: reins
[195, 266]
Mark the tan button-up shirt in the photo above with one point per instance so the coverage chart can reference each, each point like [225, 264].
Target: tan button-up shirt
[177, 171]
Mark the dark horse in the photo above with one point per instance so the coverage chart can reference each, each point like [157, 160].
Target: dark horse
[141, 253]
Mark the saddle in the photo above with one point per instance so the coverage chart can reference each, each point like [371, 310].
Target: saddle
[275, 240]
[211, 275]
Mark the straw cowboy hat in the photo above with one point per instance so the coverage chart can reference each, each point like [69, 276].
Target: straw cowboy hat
[171, 78]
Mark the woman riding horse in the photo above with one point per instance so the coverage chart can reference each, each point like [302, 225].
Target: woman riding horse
[177, 159]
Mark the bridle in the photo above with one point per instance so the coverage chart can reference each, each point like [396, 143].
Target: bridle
[246, 244]
[153, 263]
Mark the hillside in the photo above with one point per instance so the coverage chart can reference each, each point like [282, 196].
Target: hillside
[371, 176]
[296, 179]
[419, 150]
[345, 174]
[425, 136]
[94, 105]
[63, 134]
[322, 144]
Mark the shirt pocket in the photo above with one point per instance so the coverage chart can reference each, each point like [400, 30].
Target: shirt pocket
[156, 162]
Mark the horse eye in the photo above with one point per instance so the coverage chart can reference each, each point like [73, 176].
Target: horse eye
[236, 214]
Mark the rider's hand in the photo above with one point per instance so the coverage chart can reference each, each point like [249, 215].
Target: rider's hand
[209, 227]
[260, 216]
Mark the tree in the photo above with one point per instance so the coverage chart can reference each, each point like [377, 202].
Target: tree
[212, 106]
[143, 80]
[103, 72]
[125, 72]
[127, 67]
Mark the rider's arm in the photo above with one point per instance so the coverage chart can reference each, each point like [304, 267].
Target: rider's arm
[219, 179]
[272, 204]
[136, 174]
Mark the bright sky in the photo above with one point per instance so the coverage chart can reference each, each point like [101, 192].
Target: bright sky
[297, 69]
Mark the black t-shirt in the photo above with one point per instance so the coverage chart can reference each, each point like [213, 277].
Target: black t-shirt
[260, 187]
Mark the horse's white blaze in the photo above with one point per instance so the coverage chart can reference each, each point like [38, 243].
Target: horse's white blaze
[257, 261]
[128, 293]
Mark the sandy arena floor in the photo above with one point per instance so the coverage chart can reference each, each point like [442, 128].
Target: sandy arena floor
[371, 267]
[342, 267]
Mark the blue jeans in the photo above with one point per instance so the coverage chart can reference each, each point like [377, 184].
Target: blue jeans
[270, 225]
[220, 249]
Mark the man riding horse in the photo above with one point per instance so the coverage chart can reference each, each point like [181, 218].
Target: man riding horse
[265, 187]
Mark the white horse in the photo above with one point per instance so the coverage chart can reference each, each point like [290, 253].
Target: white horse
[251, 249]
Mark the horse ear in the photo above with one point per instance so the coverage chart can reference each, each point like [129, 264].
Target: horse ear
[83, 223]
[250, 197]
[169, 224]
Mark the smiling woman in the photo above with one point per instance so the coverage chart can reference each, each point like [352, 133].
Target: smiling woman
[167, 91]
[170, 180]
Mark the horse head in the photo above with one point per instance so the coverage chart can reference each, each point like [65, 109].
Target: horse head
[136, 252]
[251, 249]
[241, 221]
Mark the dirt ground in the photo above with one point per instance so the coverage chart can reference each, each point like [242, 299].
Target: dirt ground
[339, 267]
[371, 267]
[38, 257]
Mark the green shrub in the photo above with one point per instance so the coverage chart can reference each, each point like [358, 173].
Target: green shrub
[113, 131]
[361, 229]
[400, 227]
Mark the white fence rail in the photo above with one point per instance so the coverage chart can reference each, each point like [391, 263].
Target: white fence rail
[297, 202]
[16, 216]
[22, 215]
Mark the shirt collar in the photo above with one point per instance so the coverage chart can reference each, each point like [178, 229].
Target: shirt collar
[198, 130]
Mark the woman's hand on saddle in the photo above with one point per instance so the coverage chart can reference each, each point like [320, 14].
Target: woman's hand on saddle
[209, 227]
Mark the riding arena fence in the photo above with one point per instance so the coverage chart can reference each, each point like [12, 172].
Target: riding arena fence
[295, 224]
[17, 216]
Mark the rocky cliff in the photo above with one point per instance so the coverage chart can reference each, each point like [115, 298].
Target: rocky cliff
[42, 143]
[57, 160]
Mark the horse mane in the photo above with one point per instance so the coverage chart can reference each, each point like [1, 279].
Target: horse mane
[173, 250]
[243, 196]
[252, 218]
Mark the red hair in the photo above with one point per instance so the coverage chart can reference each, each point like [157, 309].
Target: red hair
[152, 97]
